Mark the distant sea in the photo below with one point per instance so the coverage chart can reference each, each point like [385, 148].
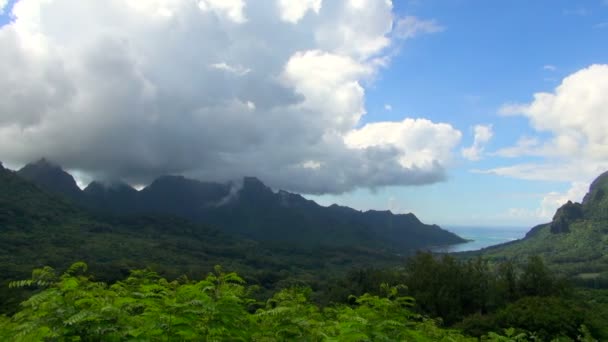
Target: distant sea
[482, 237]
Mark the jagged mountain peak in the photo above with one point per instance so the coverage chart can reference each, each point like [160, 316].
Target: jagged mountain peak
[255, 183]
[44, 165]
[249, 208]
[255, 188]
[110, 186]
[45, 162]
[566, 215]
[50, 176]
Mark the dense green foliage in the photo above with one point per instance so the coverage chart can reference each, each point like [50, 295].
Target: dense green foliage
[38, 228]
[145, 307]
[296, 292]
[479, 297]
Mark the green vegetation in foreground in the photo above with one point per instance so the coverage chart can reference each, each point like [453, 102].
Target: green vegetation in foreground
[312, 297]
[479, 297]
[524, 303]
[145, 307]
[38, 228]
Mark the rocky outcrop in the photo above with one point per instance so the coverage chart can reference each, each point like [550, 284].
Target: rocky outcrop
[565, 215]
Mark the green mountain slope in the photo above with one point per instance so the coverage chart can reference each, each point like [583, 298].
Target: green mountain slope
[575, 243]
[250, 209]
[50, 176]
[38, 228]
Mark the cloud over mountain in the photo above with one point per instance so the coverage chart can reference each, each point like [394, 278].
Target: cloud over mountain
[213, 90]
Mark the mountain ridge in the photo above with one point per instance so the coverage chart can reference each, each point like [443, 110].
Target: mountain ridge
[39, 228]
[248, 208]
[574, 243]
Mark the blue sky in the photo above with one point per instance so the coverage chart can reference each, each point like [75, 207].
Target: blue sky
[239, 90]
[490, 53]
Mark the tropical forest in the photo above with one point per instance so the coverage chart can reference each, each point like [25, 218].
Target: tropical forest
[303, 170]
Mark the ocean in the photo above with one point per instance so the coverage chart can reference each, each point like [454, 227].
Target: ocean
[482, 237]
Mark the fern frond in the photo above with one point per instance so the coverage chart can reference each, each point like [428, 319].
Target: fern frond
[77, 266]
[21, 283]
[78, 318]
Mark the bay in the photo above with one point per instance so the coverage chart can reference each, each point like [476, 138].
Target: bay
[481, 237]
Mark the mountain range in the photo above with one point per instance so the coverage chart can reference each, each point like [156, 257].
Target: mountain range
[41, 228]
[248, 208]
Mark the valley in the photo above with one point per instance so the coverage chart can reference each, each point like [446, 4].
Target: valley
[285, 240]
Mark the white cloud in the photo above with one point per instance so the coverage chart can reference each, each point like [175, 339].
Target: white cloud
[144, 88]
[410, 26]
[550, 203]
[329, 81]
[3, 4]
[232, 9]
[525, 146]
[420, 143]
[311, 164]
[549, 67]
[575, 116]
[294, 10]
[388, 107]
[359, 29]
[238, 70]
[483, 134]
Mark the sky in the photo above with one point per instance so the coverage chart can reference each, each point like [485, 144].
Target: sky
[464, 112]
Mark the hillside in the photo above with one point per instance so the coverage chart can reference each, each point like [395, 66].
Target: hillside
[38, 228]
[575, 242]
[248, 208]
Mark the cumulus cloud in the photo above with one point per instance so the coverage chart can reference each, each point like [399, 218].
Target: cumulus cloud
[483, 134]
[211, 89]
[525, 146]
[411, 26]
[550, 203]
[356, 28]
[420, 143]
[237, 70]
[232, 9]
[3, 4]
[572, 145]
[293, 11]
[575, 119]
